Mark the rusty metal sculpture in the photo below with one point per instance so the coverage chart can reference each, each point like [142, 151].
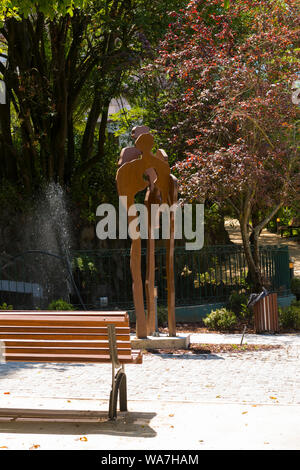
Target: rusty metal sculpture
[140, 169]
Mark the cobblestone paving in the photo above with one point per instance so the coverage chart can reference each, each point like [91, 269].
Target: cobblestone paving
[255, 377]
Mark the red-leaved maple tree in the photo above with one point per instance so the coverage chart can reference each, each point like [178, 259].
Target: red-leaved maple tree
[231, 73]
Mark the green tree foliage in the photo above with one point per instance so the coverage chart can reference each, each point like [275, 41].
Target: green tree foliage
[62, 64]
[226, 109]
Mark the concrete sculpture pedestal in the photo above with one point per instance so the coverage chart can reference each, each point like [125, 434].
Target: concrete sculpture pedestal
[161, 342]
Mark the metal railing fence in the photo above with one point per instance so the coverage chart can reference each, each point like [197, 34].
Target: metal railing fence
[103, 278]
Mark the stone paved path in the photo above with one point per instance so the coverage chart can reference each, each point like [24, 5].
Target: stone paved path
[265, 377]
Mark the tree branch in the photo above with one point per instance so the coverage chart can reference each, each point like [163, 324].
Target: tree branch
[267, 219]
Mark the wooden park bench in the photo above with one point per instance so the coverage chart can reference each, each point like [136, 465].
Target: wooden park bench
[71, 337]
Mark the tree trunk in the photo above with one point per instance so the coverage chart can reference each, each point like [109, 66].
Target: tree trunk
[8, 154]
[251, 244]
[70, 152]
[59, 129]
[89, 133]
[254, 277]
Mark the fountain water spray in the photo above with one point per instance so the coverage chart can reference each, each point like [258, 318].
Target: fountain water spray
[47, 238]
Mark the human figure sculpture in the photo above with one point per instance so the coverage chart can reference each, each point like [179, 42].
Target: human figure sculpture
[140, 169]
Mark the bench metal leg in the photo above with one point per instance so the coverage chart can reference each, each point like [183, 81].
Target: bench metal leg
[123, 392]
[119, 382]
[119, 386]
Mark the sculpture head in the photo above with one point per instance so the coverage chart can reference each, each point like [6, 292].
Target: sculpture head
[138, 130]
[145, 143]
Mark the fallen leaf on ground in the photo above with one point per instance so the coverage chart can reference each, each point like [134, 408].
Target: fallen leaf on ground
[6, 393]
[35, 446]
[83, 438]
[244, 412]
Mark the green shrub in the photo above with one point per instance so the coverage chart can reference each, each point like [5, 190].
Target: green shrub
[238, 303]
[60, 304]
[289, 317]
[295, 287]
[221, 319]
[4, 306]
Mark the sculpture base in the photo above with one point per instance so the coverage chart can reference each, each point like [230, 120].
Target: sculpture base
[161, 342]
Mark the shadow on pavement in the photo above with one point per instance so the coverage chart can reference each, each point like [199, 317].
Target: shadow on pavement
[187, 356]
[7, 368]
[131, 424]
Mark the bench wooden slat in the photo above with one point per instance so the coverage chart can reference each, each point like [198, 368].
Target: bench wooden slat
[60, 336]
[63, 344]
[134, 358]
[66, 350]
[58, 321]
[66, 313]
[61, 329]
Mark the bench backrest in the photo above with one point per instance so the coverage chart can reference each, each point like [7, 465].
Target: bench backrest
[55, 336]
